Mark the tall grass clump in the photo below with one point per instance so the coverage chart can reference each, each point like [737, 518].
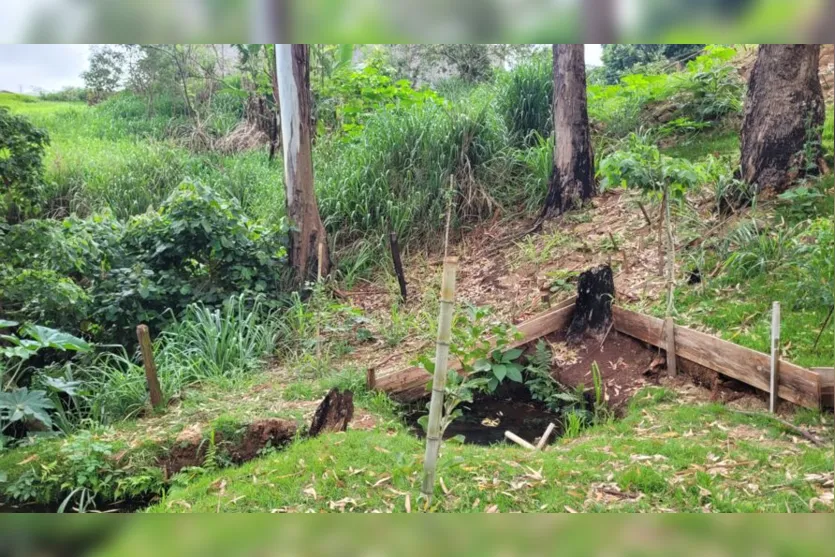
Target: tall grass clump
[205, 344]
[524, 100]
[224, 342]
[395, 176]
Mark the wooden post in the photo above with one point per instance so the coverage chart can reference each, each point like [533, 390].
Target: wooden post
[398, 264]
[154, 389]
[370, 378]
[433, 433]
[670, 334]
[775, 356]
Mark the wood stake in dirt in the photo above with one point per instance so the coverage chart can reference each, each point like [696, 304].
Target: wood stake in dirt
[433, 433]
[775, 356]
[154, 390]
[398, 264]
[672, 369]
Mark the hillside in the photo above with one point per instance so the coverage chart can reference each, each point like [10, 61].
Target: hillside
[148, 220]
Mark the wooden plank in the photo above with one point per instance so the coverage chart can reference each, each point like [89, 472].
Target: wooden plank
[798, 385]
[827, 379]
[410, 383]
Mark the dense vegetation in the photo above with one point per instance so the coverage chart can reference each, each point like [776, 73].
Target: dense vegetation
[154, 207]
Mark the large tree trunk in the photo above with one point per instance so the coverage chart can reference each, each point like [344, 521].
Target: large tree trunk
[572, 178]
[784, 113]
[293, 71]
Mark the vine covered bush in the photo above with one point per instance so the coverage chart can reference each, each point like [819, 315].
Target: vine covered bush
[101, 276]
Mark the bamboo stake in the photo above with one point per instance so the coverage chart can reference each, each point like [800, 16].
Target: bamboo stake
[775, 356]
[518, 440]
[320, 253]
[433, 434]
[154, 390]
[672, 368]
[545, 436]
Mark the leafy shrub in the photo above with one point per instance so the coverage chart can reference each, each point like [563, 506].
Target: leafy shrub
[199, 246]
[640, 164]
[21, 150]
[706, 91]
[524, 100]
[43, 296]
[346, 100]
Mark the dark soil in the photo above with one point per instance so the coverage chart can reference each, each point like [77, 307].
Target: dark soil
[484, 422]
[625, 364]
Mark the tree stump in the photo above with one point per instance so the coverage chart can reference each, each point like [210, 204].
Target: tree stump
[334, 413]
[593, 310]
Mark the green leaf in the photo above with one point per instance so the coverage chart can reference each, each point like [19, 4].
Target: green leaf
[514, 372]
[5, 323]
[511, 355]
[482, 364]
[20, 403]
[492, 384]
[56, 339]
[499, 371]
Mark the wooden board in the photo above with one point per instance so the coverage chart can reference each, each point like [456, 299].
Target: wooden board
[827, 377]
[798, 385]
[410, 383]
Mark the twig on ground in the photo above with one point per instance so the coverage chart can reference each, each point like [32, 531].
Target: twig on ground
[791, 427]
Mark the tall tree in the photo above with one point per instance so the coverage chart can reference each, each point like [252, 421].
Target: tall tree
[572, 178]
[293, 72]
[784, 113]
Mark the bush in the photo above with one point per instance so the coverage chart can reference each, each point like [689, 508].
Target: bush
[21, 150]
[346, 100]
[640, 164]
[199, 247]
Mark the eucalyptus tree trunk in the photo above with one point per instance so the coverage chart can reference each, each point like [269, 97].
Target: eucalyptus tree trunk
[572, 179]
[784, 113]
[293, 73]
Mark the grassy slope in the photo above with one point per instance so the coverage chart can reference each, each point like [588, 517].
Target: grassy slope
[663, 456]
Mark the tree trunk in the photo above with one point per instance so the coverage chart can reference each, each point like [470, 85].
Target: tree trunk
[572, 179]
[293, 71]
[784, 113]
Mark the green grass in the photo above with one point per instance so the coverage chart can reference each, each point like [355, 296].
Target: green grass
[745, 318]
[697, 147]
[662, 456]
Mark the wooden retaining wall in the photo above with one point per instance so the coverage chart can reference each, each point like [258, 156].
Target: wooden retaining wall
[796, 384]
[410, 383]
[801, 386]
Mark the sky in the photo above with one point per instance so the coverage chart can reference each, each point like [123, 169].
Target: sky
[29, 68]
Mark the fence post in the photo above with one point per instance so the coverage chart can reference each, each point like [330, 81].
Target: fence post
[775, 356]
[145, 347]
